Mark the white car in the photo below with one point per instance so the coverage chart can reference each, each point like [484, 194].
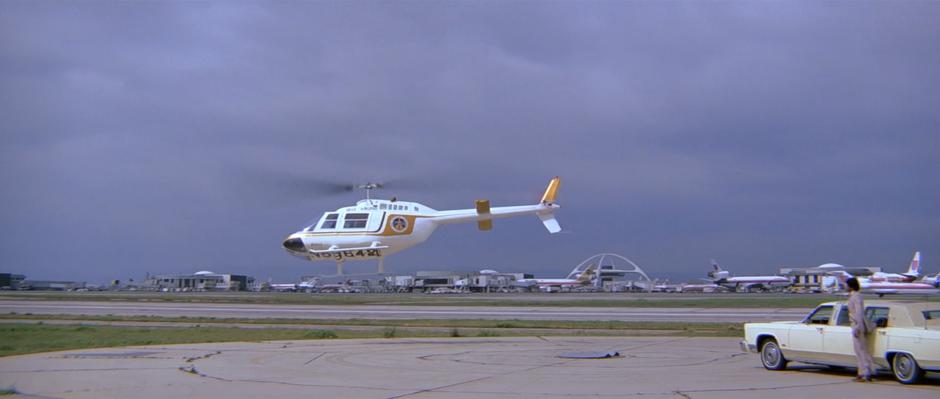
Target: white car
[906, 341]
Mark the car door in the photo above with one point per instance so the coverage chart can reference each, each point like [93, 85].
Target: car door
[837, 339]
[878, 341]
[806, 338]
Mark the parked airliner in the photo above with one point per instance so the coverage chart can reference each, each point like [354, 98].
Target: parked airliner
[746, 283]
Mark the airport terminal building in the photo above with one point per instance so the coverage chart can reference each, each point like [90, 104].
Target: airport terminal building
[11, 281]
[815, 278]
[199, 281]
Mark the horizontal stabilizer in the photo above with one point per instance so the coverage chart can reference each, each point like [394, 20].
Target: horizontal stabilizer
[483, 208]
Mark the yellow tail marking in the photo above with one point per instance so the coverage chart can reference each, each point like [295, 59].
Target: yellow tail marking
[551, 191]
[485, 225]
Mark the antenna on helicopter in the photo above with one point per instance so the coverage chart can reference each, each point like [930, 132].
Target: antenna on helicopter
[369, 187]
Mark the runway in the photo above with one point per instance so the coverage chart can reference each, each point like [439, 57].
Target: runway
[393, 312]
[450, 368]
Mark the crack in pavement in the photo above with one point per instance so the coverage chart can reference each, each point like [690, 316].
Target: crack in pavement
[686, 392]
[206, 356]
[444, 387]
[315, 358]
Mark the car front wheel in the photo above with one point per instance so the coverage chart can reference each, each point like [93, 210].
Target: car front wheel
[905, 368]
[771, 356]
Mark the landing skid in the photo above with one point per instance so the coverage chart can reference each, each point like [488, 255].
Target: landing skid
[340, 264]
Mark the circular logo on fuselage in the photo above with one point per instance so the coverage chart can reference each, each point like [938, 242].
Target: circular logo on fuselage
[399, 224]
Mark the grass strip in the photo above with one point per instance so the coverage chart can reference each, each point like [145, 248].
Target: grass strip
[19, 338]
[552, 300]
[463, 323]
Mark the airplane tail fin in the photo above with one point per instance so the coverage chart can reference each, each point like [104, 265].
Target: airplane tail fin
[841, 276]
[715, 265]
[717, 274]
[587, 274]
[914, 269]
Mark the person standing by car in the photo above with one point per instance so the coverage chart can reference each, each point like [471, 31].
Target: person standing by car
[861, 327]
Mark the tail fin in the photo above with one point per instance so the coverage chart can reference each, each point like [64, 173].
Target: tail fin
[718, 275]
[715, 265]
[548, 198]
[551, 191]
[841, 276]
[914, 269]
[587, 274]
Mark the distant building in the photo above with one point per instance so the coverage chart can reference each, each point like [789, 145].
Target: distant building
[493, 281]
[482, 281]
[427, 280]
[10, 281]
[200, 281]
[400, 283]
[48, 285]
[817, 278]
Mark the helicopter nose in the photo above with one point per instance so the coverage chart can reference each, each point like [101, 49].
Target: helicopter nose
[294, 244]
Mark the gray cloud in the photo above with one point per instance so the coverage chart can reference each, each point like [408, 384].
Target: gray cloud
[760, 134]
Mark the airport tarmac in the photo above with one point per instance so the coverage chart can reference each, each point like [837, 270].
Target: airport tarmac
[648, 367]
[393, 312]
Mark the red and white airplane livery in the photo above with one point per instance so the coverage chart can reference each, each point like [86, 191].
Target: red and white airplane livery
[746, 283]
[913, 272]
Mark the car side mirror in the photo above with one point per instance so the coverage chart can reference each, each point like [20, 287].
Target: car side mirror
[881, 322]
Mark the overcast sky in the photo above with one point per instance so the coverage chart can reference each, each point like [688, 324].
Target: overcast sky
[157, 137]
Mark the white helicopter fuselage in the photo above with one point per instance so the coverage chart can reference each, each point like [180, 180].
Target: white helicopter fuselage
[373, 228]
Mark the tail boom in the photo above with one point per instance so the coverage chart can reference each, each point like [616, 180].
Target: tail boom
[483, 214]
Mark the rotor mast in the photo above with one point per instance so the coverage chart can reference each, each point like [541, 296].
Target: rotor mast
[369, 187]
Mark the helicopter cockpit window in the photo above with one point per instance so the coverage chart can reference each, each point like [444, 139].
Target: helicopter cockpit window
[355, 220]
[330, 221]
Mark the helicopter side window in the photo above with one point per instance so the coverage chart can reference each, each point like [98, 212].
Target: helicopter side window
[330, 221]
[383, 206]
[355, 220]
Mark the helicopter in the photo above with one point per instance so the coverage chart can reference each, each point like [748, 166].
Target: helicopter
[374, 228]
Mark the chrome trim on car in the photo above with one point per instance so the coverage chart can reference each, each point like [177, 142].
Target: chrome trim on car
[746, 347]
